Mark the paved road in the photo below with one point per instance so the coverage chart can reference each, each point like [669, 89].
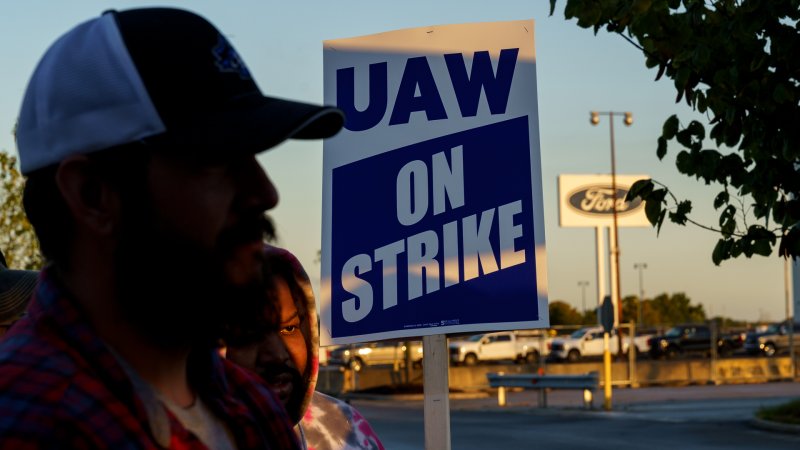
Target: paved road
[702, 417]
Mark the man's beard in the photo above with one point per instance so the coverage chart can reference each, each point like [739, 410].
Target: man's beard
[175, 291]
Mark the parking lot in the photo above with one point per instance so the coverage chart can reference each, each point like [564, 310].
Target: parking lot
[694, 417]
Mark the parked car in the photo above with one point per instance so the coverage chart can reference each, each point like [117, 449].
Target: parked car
[324, 354]
[691, 339]
[518, 346]
[375, 353]
[772, 341]
[588, 342]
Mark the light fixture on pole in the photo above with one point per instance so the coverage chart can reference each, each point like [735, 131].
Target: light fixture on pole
[640, 267]
[582, 285]
[628, 121]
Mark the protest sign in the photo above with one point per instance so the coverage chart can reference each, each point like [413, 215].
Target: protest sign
[432, 200]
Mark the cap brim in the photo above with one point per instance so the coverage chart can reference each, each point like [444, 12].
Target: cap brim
[255, 124]
[16, 288]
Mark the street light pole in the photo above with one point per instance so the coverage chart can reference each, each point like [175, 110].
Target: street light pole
[628, 120]
[640, 267]
[790, 320]
[582, 285]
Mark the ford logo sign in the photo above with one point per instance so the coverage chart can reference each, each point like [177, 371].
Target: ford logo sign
[598, 200]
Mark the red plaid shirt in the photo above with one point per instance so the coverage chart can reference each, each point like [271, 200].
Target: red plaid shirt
[60, 387]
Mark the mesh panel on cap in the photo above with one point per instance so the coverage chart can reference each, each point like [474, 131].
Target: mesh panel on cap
[85, 95]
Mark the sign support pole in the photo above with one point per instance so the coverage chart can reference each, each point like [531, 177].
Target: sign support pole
[601, 265]
[606, 373]
[791, 294]
[607, 315]
[616, 298]
[437, 392]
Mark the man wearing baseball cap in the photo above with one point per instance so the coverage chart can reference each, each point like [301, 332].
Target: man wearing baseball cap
[138, 133]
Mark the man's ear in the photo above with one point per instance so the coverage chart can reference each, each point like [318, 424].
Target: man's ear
[91, 200]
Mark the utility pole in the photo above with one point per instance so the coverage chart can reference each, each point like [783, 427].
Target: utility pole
[582, 284]
[640, 267]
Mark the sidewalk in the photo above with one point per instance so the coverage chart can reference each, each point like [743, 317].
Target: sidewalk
[626, 398]
[658, 404]
[650, 401]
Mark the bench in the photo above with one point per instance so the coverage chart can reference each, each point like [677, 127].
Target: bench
[587, 383]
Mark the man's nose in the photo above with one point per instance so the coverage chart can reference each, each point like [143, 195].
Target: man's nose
[258, 192]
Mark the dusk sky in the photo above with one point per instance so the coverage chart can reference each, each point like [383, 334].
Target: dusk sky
[576, 72]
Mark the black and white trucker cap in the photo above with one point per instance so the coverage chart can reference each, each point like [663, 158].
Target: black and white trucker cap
[154, 73]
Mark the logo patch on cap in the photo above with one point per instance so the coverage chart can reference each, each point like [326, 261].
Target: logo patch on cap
[227, 60]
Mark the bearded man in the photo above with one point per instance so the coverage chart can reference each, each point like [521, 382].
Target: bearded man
[138, 133]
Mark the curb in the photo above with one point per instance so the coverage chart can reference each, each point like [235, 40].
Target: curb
[774, 426]
[453, 396]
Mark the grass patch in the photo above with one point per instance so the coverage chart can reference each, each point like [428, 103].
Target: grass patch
[785, 413]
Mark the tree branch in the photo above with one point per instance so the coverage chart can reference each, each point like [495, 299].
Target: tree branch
[633, 43]
[700, 225]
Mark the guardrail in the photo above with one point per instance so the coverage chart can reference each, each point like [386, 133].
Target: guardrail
[588, 383]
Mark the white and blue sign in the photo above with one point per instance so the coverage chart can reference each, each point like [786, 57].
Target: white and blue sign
[432, 206]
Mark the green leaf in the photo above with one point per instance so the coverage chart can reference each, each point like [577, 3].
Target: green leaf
[682, 78]
[719, 254]
[793, 210]
[730, 115]
[572, 9]
[653, 206]
[709, 164]
[781, 94]
[733, 134]
[762, 247]
[661, 151]
[728, 223]
[684, 162]
[696, 129]
[670, 127]
[552, 6]
[701, 104]
[639, 7]
[722, 199]
[718, 133]
[790, 243]
[652, 62]
[757, 63]
[701, 56]
[679, 216]
[736, 248]
[760, 232]
[660, 222]
[684, 137]
[779, 211]
[641, 188]
[760, 210]
[590, 16]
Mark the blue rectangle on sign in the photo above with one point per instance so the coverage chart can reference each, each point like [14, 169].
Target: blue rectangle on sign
[438, 233]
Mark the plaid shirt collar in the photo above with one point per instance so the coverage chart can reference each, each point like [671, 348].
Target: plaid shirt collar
[256, 417]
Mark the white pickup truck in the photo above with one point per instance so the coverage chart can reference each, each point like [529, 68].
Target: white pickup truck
[520, 346]
[588, 342]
